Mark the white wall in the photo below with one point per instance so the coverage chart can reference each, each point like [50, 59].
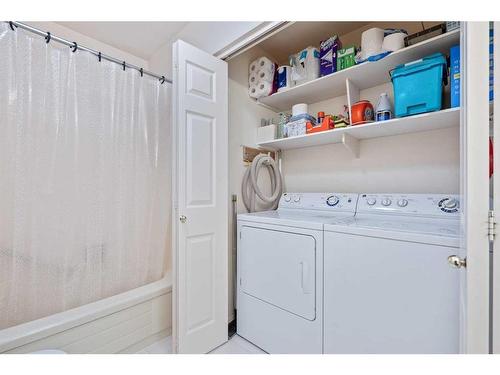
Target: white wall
[244, 119]
[208, 36]
[66, 33]
[426, 162]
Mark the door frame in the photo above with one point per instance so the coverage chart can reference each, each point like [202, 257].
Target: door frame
[475, 184]
[474, 181]
[496, 193]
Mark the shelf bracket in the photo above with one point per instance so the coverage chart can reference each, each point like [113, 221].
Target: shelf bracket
[351, 143]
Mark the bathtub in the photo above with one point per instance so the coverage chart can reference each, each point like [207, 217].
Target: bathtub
[124, 323]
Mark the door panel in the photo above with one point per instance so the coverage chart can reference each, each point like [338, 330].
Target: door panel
[279, 268]
[201, 200]
[200, 160]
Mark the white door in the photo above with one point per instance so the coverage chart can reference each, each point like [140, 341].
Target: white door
[475, 186]
[200, 247]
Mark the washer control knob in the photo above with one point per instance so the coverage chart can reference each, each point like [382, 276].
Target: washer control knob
[332, 200]
[450, 203]
[386, 202]
[287, 198]
[371, 201]
[402, 202]
[297, 199]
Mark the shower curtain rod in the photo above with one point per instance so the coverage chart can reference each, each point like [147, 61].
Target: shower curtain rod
[48, 37]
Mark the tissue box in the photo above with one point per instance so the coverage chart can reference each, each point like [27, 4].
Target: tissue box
[328, 55]
[455, 76]
[295, 128]
[266, 133]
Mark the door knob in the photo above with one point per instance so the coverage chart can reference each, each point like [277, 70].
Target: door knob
[457, 262]
[183, 219]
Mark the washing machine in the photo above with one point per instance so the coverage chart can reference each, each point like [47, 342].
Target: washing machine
[388, 287]
[280, 271]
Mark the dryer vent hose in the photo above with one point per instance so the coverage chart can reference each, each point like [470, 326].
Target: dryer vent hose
[250, 189]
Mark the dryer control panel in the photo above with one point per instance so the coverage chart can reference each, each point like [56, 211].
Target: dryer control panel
[337, 202]
[410, 204]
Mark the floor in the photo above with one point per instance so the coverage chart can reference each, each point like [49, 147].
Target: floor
[236, 345]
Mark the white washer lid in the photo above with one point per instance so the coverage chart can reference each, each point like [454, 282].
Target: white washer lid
[306, 219]
[434, 231]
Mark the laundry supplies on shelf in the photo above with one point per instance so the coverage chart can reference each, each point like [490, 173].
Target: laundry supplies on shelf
[284, 77]
[328, 54]
[346, 58]
[305, 65]
[418, 85]
[262, 78]
[298, 124]
[384, 109]
[324, 122]
[455, 76]
[362, 112]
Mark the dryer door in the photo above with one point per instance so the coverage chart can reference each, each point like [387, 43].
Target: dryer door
[279, 268]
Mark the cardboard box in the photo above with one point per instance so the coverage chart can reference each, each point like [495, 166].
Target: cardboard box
[328, 55]
[455, 76]
[346, 58]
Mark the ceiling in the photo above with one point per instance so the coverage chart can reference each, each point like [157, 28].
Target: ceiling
[141, 39]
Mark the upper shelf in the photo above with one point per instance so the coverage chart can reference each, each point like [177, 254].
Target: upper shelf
[366, 75]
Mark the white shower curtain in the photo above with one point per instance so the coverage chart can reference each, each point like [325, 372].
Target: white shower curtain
[84, 178]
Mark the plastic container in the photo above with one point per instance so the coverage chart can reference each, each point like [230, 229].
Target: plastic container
[384, 111]
[418, 85]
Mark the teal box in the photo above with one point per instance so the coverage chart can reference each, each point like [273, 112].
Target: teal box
[455, 76]
[418, 85]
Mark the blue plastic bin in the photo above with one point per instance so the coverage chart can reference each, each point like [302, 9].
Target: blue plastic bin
[418, 85]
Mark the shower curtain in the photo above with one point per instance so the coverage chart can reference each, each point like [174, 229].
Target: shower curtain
[84, 178]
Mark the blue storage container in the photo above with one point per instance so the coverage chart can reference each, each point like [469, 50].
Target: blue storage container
[418, 85]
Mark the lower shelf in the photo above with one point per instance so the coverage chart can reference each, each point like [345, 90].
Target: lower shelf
[351, 135]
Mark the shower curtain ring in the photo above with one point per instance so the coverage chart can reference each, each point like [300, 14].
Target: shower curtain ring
[123, 65]
[12, 25]
[99, 56]
[162, 79]
[47, 38]
[74, 47]
[141, 71]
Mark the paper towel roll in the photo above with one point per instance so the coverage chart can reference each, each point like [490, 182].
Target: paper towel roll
[264, 63]
[252, 91]
[299, 109]
[265, 75]
[253, 78]
[394, 42]
[264, 89]
[371, 42]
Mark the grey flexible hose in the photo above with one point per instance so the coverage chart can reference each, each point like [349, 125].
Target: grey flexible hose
[250, 189]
